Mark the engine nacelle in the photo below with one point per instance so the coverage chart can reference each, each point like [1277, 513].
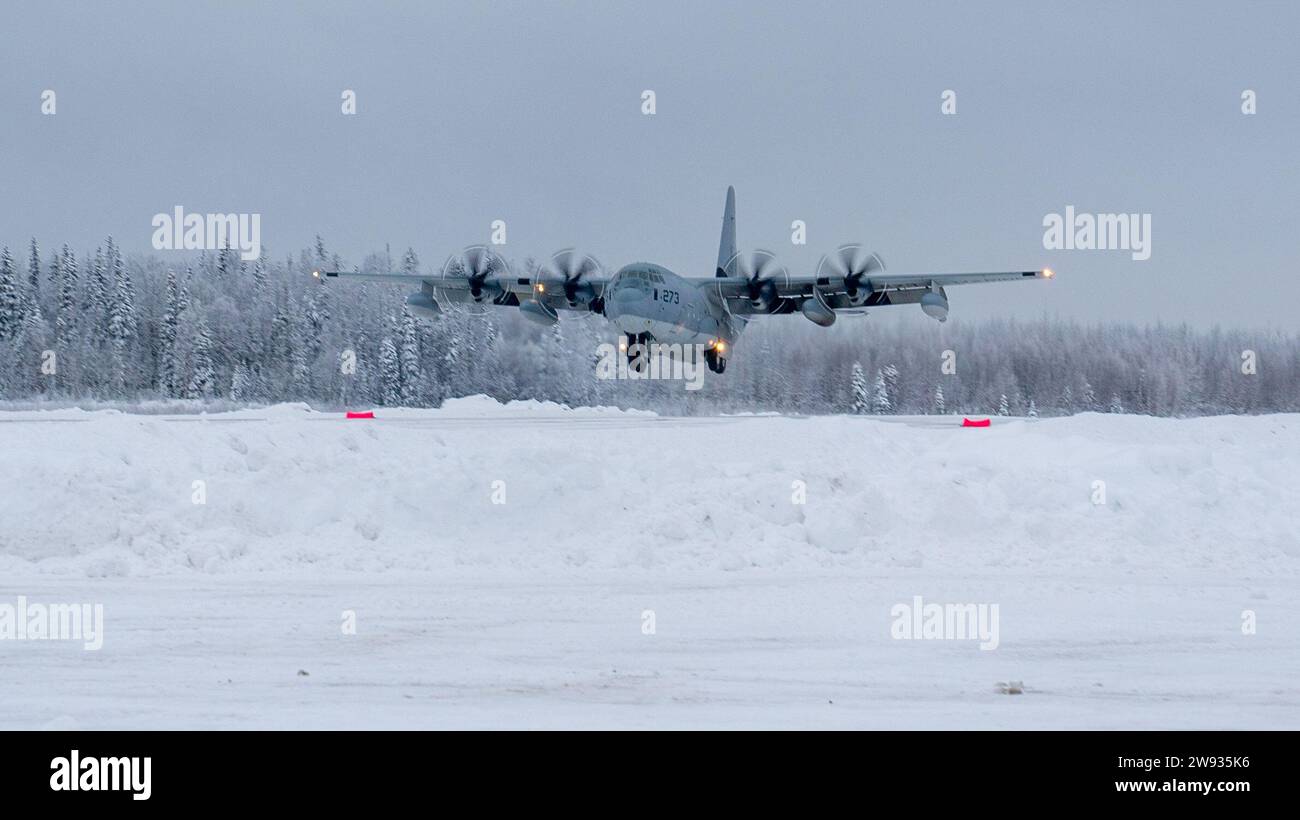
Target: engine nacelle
[423, 306]
[535, 311]
[935, 305]
[817, 312]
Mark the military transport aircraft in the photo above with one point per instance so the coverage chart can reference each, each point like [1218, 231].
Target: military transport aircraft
[647, 302]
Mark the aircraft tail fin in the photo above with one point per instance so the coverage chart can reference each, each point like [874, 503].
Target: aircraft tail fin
[727, 246]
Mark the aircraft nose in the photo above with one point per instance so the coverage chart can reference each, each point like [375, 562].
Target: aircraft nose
[619, 302]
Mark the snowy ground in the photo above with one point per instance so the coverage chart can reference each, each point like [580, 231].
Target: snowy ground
[529, 613]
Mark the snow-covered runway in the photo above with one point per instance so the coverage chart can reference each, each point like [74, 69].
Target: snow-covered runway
[501, 565]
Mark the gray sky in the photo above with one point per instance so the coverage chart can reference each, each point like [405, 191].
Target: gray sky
[825, 112]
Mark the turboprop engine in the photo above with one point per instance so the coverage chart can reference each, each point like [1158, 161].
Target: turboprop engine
[422, 305]
[935, 304]
[816, 311]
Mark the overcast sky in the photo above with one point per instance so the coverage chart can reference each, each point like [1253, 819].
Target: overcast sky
[825, 112]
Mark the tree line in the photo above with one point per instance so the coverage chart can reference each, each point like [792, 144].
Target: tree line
[97, 326]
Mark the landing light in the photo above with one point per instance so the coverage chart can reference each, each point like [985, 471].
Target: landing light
[316, 274]
[721, 347]
[541, 288]
[1047, 273]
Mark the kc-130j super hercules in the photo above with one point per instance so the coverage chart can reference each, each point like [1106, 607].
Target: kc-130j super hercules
[648, 302]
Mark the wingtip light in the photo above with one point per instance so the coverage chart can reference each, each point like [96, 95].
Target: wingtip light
[1048, 273]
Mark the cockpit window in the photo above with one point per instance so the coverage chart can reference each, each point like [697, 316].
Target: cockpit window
[637, 279]
[632, 281]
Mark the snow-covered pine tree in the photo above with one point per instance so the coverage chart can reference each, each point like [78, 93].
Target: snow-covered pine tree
[1116, 406]
[97, 306]
[122, 323]
[168, 335]
[861, 397]
[1004, 409]
[891, 385]
[280, 352]
[1089, 398]
[1032, 412]
[11, 298]
[34, 270]
[937, 404]
[69, 286]
[469, 385]
[52, 272]
[183, 295]
[410, 262]
[28, 345]
[390, 373]
[317, 315]
[260, 282]
[452, 364]
[880, 395]
[300, 356]
[1142, 400]
[241, 383]
[203, 374]
[560, 384]
[227, 263]
[410, 361]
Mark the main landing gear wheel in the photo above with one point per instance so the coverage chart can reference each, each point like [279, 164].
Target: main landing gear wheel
[715, 362]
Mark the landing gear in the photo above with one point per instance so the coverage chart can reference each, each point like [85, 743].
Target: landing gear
[630, 346]
[716, 362]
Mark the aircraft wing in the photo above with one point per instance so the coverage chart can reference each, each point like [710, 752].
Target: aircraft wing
[786, 293]
[453, 282]
[925, 280]
[502, 286]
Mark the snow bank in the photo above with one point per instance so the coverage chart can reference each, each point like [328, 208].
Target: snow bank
[485, 405]
[536, 487]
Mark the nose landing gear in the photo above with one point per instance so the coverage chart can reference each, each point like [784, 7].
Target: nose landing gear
[714, 359]
[634, 346]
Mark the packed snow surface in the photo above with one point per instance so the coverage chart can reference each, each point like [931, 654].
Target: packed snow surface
[531, 565]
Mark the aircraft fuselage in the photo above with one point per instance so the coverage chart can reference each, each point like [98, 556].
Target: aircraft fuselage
[648, 298]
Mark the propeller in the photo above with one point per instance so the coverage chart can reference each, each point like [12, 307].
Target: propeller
[853, 264]
[566, 268]
[760, 272]
[482, 268]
